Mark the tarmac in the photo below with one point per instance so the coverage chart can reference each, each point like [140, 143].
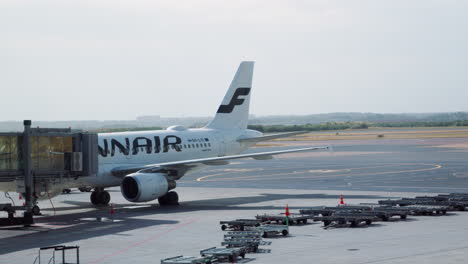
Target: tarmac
[360, 170]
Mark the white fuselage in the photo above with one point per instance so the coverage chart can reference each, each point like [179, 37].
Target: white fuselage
[127, 149]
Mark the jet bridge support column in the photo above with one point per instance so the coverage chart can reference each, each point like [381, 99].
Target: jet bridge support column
[28, 179]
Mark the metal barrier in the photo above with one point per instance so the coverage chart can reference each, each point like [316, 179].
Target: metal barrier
[62, 249]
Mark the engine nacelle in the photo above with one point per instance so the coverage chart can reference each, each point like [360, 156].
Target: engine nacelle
[144, 187]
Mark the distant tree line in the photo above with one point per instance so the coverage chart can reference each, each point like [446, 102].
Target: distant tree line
[354, 125]
[108, 130]
[318, 127]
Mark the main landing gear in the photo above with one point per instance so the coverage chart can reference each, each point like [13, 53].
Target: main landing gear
[100, 197]
[170, 198]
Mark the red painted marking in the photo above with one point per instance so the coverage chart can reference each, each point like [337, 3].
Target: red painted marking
[178, 226]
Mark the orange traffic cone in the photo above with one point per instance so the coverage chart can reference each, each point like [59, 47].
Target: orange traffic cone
[341, 199]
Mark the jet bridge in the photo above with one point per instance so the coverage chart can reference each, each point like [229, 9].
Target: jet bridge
[32, 160]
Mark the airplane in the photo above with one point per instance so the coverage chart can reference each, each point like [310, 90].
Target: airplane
[147, 164]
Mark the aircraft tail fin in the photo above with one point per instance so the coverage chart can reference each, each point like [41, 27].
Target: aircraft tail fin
[233, 113]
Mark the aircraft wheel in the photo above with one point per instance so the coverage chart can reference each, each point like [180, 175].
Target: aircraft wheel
[104, 198]
[35, 210]
[94, 198]
[173, 198]
[162, 200]
[84, 189]
[170, 198]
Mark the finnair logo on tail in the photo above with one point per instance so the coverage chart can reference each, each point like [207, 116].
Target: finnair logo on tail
[235, 100]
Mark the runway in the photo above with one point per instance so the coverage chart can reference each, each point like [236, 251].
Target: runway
[380, 165]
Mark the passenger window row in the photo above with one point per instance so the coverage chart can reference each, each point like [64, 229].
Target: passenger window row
[190, 146]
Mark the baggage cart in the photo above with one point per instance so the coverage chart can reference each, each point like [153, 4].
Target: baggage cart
[281, 219]
[271, 230]
[224, 254]
[249, 244]
[354, 219]
[238, 224]
[189, 260]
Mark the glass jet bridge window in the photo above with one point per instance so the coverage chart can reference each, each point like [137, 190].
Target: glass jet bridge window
[9, 153]
[47, 153]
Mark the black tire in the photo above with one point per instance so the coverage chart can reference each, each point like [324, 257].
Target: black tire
[35, 210]
[304, 221]
[326, 223]
[242, 228]
[385, 218]
[103, 198]
[403, 216]
[223, 227]
[172, 198]
[94, 198]
[368, 222]
[82, 189]
[354, 223]
[444, 212]
[284, 232]
[265, 235]
[162, 200]
[242, 255]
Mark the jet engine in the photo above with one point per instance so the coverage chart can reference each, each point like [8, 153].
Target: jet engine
[144, 187]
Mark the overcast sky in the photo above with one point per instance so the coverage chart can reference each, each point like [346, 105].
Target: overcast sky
[74, 60]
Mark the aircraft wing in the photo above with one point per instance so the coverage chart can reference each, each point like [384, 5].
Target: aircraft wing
[185, 165]
[270, 137]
